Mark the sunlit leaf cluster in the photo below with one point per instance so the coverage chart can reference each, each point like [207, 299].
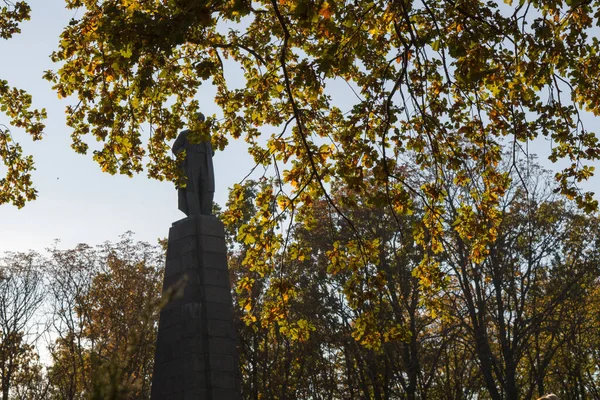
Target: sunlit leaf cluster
[16, 186]
[509, 320]
[451, 88]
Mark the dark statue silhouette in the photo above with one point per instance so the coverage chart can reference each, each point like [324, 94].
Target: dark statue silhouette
[197, 195]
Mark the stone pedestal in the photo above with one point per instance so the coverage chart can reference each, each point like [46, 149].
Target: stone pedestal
[196, 354]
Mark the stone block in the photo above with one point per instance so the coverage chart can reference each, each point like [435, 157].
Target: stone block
[190, 260]
[192, 328]
[194, 379]
[162, 354]
[176, 348]
[217, 294]
[194, 362]
[172, 369]
[194, 345]
[197, 394]
[214, 260]
[193, 276]
[168, 319]
[182, 246]
[223, 380]
[214, 244]
[222, 329]
[209, 226]
[192, 310]
[222, 345]
[219, 311]
[168, 335]
[173, 267]
[176, 298]
[222, 363]
[216, 277]
[183, 228]
[176, 281]
[225, 394]
[193, 292]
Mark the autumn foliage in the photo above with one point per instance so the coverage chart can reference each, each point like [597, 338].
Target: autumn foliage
[403, 242]
[342, 311]
[16, 186]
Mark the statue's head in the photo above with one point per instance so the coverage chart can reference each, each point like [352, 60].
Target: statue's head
[196, 123]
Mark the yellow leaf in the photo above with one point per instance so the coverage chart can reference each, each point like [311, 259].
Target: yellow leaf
[249, 239]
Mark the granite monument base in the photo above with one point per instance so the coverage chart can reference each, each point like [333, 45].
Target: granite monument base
[196, 354]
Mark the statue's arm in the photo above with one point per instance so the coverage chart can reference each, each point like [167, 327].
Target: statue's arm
[179, 142]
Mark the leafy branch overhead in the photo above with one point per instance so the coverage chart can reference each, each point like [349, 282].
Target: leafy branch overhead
[456, 79]
[16, 187]
[454, 88]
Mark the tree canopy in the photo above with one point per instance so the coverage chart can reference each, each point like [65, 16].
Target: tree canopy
[449, 86]
[451, 79]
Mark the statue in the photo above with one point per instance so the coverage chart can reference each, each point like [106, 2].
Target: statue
[197, 196]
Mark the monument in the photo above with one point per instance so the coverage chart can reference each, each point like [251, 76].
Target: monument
[196, 348]
[196, 197]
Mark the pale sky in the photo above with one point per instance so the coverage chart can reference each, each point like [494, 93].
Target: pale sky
[77, 203]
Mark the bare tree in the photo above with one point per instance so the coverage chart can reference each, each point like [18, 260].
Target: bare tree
[21, 295]
[71, 274]
[516, 303]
